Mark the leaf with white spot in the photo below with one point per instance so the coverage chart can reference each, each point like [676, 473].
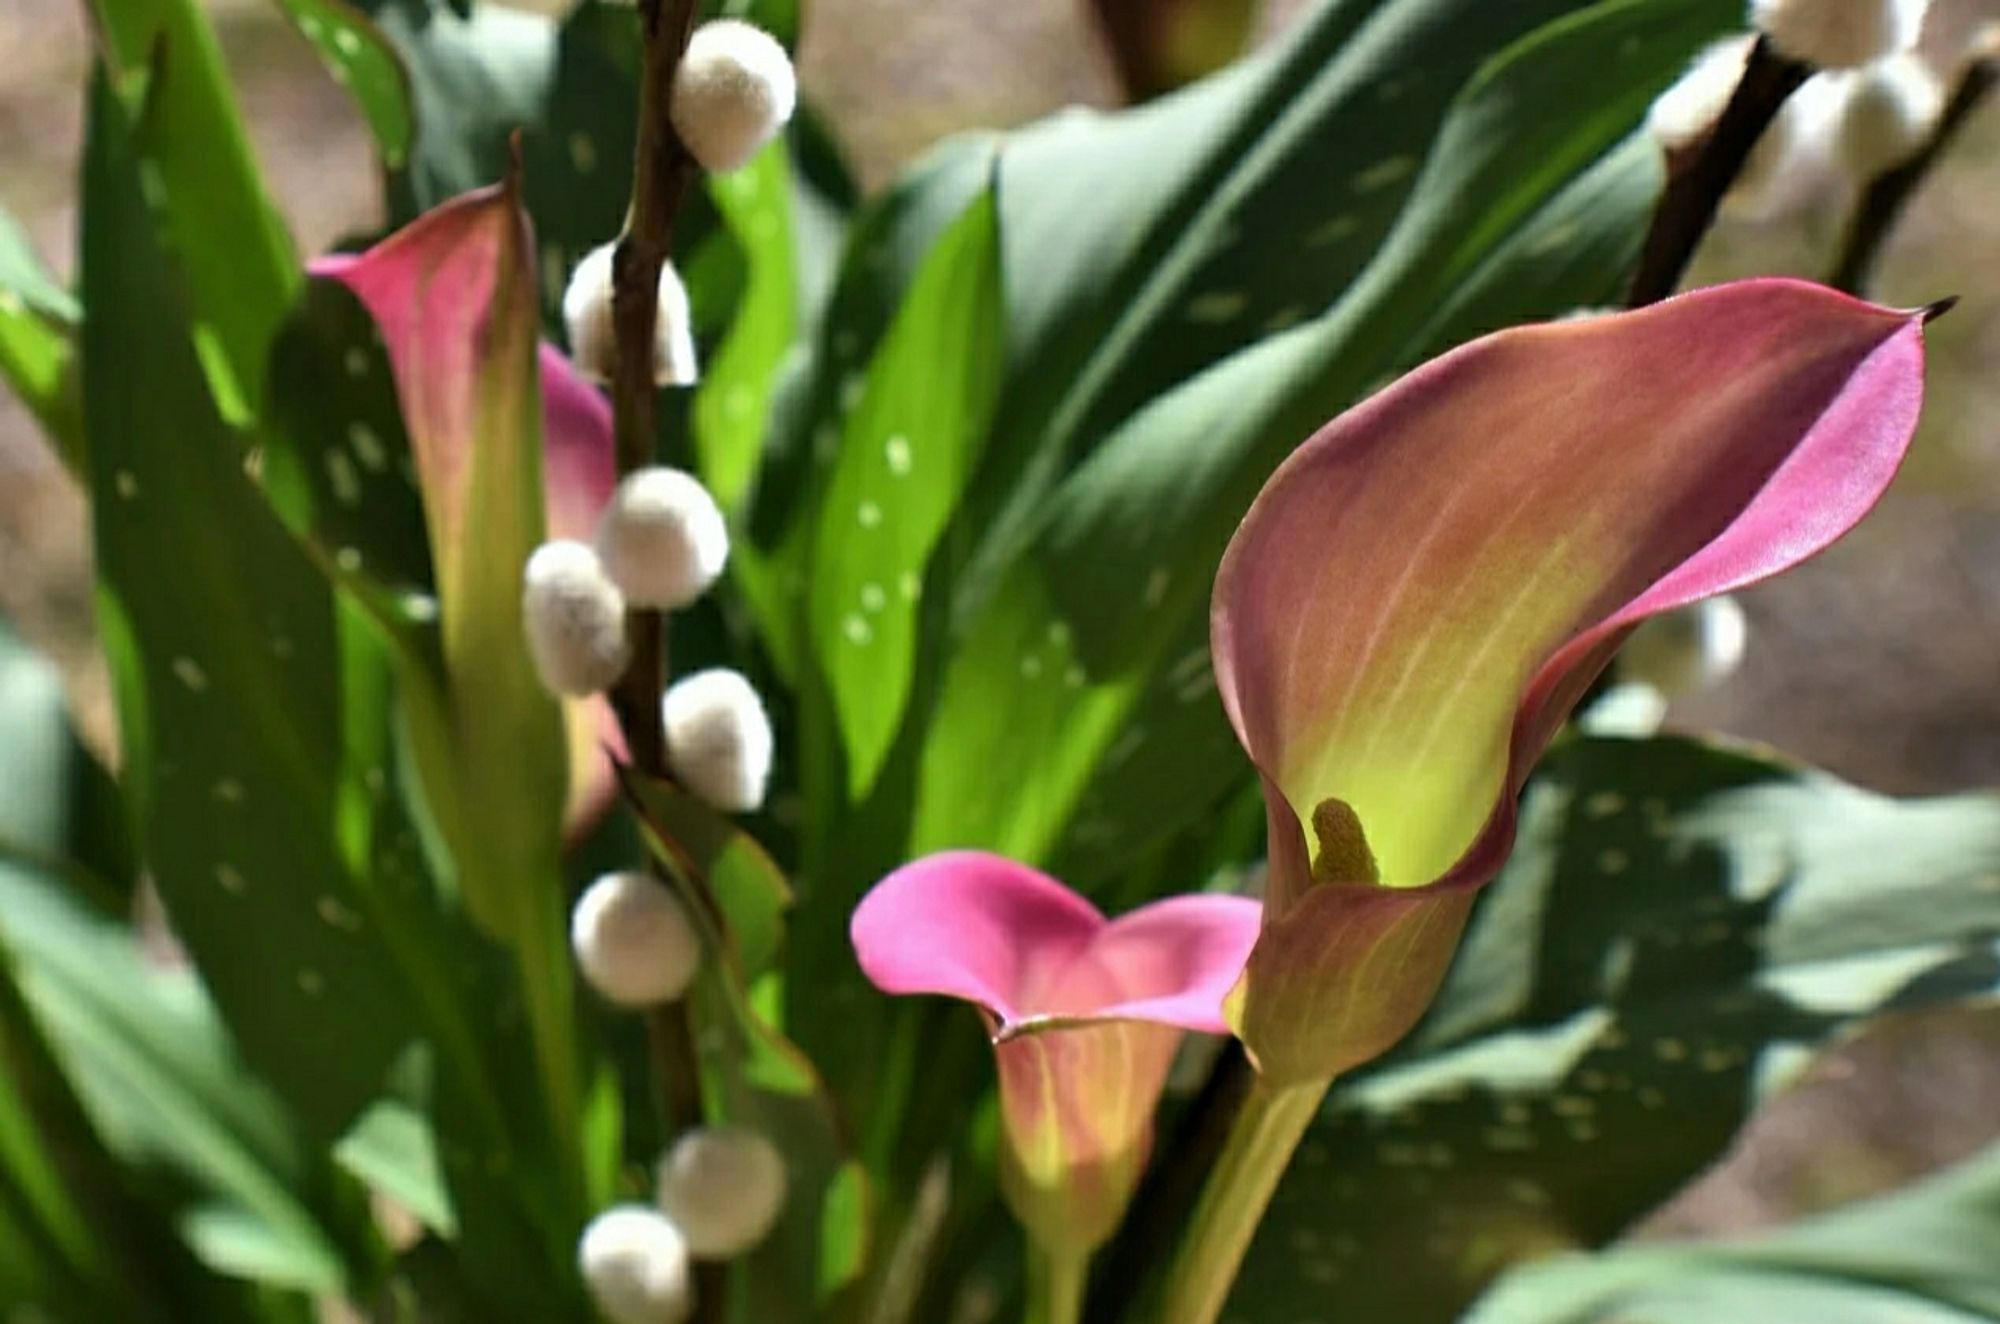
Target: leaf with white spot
[241, 684]
[361, 60]
[907, 452]
[1679, 925]
[733, 404]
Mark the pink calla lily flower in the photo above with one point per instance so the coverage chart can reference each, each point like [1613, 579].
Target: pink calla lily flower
[429, 289]
[1424, 590]
[1085, 1014]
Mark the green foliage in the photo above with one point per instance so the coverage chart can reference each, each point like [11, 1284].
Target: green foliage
[1923, 1255]
[248, 759]
[1681, 925]
[360, 59]
[37, 340]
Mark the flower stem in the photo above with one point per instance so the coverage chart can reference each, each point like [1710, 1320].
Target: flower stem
[1267, 1130]
[1056, 1282]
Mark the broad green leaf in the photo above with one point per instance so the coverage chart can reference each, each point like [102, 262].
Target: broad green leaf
[1679, 925]
[780, 18]
[908, 450]
[1923, 1255]
[733, 405]
[239, 265]
[1127, 546]
[244, 696]
[361, 60]
[37, 341]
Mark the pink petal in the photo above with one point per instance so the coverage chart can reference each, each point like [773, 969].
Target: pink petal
[966, 924]
[1174, 961]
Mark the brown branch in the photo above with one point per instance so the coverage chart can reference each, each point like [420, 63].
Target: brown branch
[662, 173]
[1701, 178]
[1883, 203]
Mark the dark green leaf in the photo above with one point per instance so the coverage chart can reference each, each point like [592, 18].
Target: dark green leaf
[250, 707]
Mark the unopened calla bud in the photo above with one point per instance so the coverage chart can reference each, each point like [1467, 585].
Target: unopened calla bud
[633, 940]
[1838, 34]
[735, 89]
[724, 1187]
[1687, 650]
[719, 741]
[575, 619]
[1891, 108]
[593, 340]
[634, 1261]
[662, 538]
[1682, 115]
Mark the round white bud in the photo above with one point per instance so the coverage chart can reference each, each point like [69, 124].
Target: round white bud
[1682, 651]
[1838, 34]
[635, 1263]
[575, 619]
[724, 1186]
[719, 742]
[593, 338]
[662, 538]
[1891, 108]
[634, 941]
[1683, 114]
[734, 90]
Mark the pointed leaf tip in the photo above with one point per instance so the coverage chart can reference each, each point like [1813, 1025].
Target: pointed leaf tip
[1930, 312]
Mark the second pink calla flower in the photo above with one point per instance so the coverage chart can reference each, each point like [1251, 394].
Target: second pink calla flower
[1085, 1014]
[1424, 590]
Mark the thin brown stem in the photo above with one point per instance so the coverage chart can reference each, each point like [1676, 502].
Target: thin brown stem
[662, 173]
[1701, 177]
[1884, 201]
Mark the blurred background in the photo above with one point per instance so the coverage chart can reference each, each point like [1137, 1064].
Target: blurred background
[1879, 661]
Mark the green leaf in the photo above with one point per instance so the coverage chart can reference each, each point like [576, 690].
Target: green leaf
[37, 341]
[239, 264]
[1125, 549]
[363, 61]
[908, 450]
[250, 708]
[1680, 924]
[1923, 1255]
[733, 405]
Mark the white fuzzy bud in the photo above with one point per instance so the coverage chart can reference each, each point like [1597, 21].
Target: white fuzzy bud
[593, 338]
[662, 538]
[734, 90]
[635, 1263]
[1687, 650]
[719, 741]
[575, 619]
[1838, 34]
[724, 1187]
[633, 940]
[1892, 107]
[1683, 114]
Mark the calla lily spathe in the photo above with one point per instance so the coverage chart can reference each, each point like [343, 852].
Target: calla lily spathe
[431, 288]
[1085, 1014]
[1423, 591]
